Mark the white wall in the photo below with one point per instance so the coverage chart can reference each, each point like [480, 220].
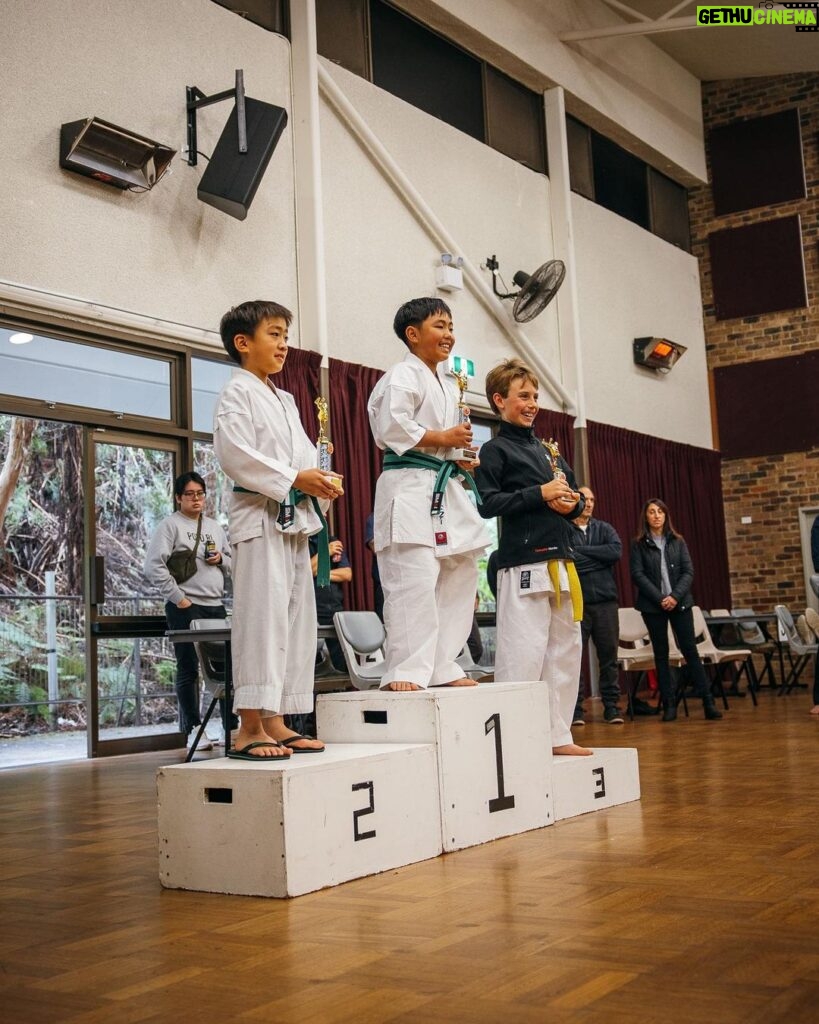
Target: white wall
[161, 253]
[632, 284]
[378, 255]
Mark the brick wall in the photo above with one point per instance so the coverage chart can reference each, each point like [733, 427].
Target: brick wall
[765, 557]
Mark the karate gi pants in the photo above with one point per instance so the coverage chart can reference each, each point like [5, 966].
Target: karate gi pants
[274, 623]
[536, 640]
[428, 608]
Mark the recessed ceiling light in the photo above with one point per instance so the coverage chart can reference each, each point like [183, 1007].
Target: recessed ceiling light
[21, 339]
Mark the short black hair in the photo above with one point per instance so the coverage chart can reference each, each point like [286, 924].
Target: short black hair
[415, 312]
[245, 318]
[184, 479]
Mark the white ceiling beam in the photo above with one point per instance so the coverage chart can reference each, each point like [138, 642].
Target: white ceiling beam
[642, 28]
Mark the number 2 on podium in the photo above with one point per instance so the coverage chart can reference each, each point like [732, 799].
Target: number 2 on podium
[501, 802]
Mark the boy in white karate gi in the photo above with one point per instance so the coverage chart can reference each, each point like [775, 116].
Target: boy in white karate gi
[427, 542]
[261, 445]
[539, 600]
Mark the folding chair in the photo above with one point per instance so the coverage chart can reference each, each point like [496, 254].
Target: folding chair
[212, 662]
[799, 651]
[634, 652]
[752, 636]
[719, 656]
[361, 636]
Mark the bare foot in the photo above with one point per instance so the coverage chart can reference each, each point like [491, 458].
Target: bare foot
[815, 709]
[573, 750]
[242, 741]
[401, 686]
[465, 681]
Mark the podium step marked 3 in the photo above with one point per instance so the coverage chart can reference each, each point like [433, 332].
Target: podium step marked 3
[493, 745]
[609, 777]
[290, 827]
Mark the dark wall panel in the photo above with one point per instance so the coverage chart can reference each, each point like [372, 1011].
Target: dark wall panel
[758, 268]
[767, 407]
[757, 162]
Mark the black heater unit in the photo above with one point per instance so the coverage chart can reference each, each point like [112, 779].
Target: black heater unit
[657, 353]
[112, 155]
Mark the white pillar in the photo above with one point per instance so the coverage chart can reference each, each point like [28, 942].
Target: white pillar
[568, 314]
[307, 160]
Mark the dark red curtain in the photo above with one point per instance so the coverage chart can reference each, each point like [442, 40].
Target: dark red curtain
[358, 459]
[560, 427]
[300, 376]
[628, 468]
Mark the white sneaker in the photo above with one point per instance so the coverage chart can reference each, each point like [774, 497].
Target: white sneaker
[204, 743]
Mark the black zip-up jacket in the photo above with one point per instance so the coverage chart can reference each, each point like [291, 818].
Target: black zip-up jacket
[596, 551]
[645, 573]
[513, 465]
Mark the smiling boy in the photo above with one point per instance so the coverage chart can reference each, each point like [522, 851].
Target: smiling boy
[261, 445]
[539, 604]
[427, 532]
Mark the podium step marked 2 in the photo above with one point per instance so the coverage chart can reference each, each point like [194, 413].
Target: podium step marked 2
[581, 784]
[290, 827]
[493, 745]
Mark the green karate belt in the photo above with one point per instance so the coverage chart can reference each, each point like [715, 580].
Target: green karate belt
[293, 498]
[445, 469]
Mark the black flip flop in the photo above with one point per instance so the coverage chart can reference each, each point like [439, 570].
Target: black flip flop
[301, 750]
[244, 753]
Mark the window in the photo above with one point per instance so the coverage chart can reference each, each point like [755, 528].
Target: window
[609, 175]
[394, 51]
[207, 379]
[426, 70]
[65, 373]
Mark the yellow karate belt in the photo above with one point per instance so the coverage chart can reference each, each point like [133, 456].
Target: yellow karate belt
[574, 586]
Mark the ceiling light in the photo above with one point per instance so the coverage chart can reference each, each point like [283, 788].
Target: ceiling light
[20, 339]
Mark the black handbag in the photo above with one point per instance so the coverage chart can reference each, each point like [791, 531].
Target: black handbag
[182, 564]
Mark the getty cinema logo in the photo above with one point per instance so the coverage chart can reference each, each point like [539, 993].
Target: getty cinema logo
[803, 16]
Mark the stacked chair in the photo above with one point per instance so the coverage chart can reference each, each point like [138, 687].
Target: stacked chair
[799, 647]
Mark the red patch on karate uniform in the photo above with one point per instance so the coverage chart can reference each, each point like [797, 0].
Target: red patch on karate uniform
[440, 538]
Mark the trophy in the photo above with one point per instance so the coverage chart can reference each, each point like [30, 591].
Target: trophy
[463, 454]
[323, 443]
[554, 454]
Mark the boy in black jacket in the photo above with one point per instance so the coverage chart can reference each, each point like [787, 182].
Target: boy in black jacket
[539, 602]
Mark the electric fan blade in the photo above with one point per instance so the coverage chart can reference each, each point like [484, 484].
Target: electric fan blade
[538, 291]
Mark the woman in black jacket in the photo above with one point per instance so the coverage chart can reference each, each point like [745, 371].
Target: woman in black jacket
[662, 572]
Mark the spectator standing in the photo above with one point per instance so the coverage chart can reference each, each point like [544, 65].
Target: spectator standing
[597, 549]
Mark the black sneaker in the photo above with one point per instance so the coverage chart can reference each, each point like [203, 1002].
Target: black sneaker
[612, 715]
[578, 718]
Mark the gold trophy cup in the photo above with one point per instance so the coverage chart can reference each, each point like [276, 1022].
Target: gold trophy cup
[323, 443]
[463, 454]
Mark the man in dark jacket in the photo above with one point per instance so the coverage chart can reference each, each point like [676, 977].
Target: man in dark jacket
[597, 549]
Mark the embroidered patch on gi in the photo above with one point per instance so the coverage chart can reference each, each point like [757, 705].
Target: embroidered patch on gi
[286, 516]
[526, 579]
[437, 508]
[440, 538]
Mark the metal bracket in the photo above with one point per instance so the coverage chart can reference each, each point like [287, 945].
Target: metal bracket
[195, 99]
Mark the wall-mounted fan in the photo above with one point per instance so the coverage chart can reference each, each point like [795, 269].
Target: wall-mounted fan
[536, 290]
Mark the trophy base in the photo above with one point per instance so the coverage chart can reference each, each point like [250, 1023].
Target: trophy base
[464, 455]
[336, 480]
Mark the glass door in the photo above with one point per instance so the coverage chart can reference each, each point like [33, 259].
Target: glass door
[130, 665]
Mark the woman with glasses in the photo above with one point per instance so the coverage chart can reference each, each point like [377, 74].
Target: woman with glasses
[200, 595]
[662, 572]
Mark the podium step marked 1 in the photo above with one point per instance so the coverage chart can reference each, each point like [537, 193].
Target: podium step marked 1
[493, 744]
[290, 827]
[581, 784]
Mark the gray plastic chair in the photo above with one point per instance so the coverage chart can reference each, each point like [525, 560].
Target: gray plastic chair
[799, 652]
[361, 636]
[211, 657]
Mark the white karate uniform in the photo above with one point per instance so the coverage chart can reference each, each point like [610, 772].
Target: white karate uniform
[427, 564]
[537, 640]
[261, 445]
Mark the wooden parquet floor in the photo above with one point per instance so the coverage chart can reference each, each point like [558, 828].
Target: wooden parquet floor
[699, 904]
